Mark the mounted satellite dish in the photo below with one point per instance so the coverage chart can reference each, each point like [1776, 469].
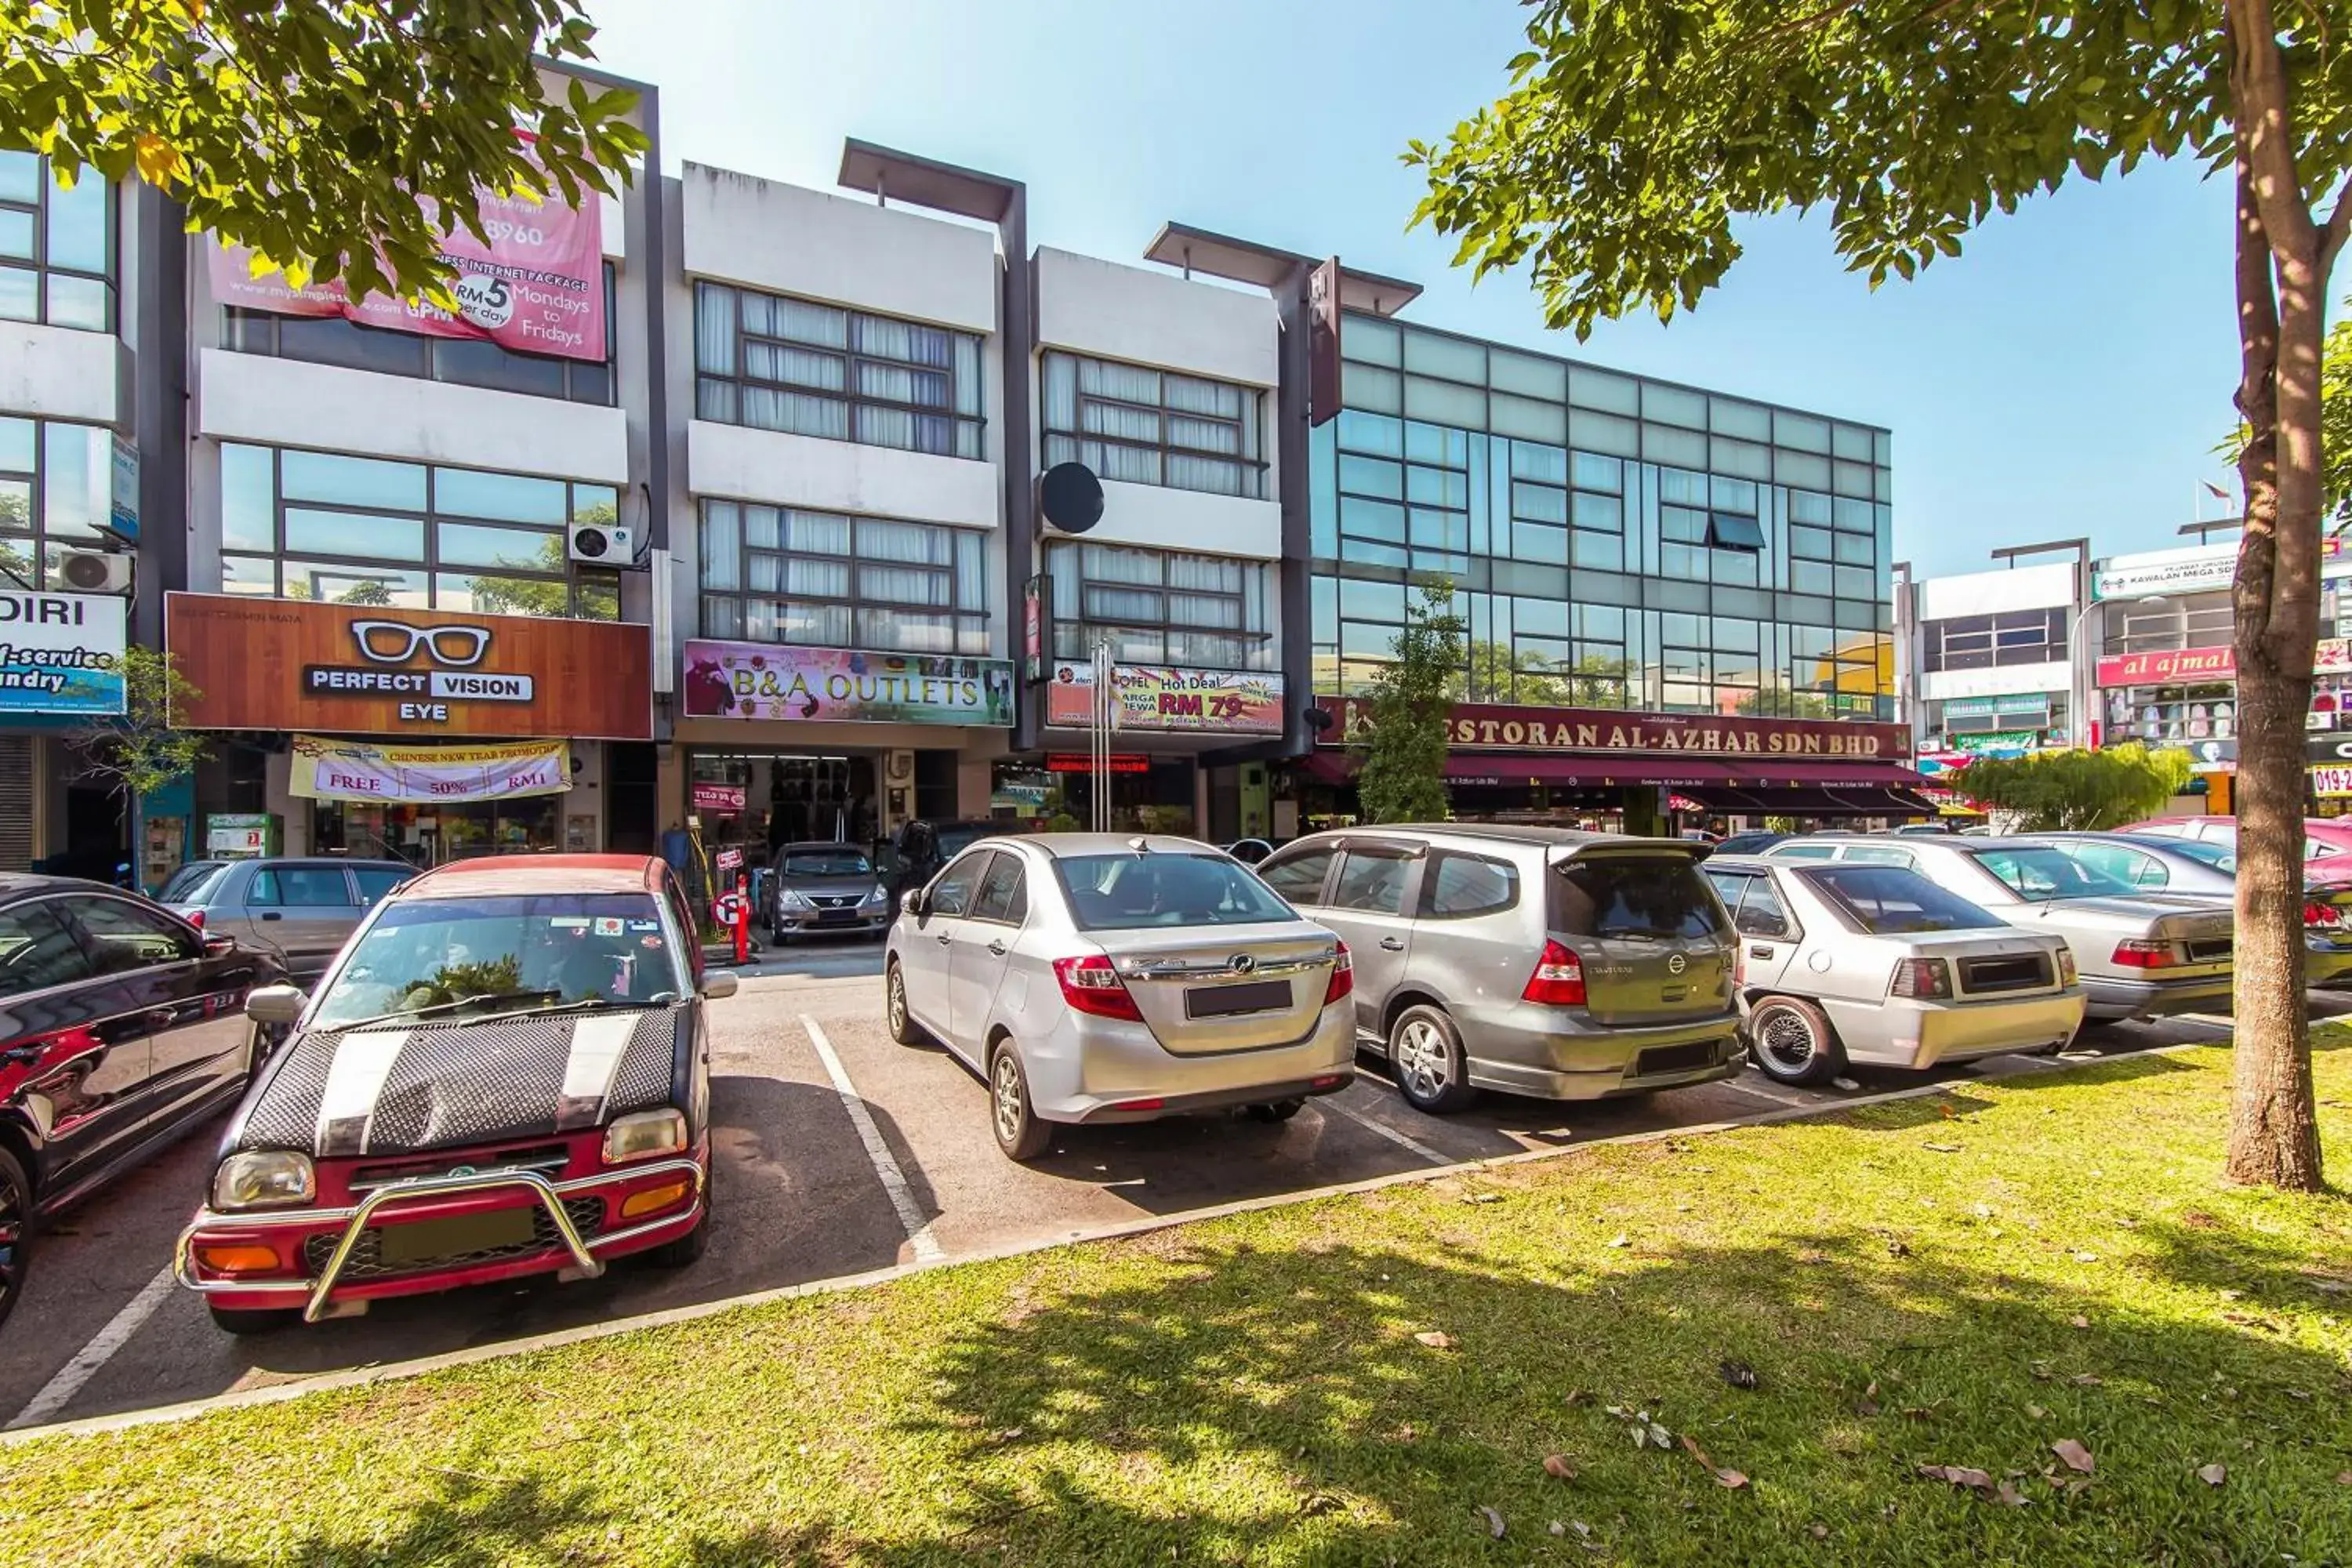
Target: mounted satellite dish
[1071, 497]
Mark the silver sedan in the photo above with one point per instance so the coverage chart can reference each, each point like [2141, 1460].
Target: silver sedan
[1092, 977]
[1843, 963]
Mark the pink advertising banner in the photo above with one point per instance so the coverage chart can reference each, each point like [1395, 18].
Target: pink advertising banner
[537, 288]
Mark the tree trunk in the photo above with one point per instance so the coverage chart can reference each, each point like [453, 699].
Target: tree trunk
[2282, 283]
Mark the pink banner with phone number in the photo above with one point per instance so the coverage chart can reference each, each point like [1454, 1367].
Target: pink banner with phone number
[538, 287]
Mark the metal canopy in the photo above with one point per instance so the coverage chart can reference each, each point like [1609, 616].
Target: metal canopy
[1247, 262]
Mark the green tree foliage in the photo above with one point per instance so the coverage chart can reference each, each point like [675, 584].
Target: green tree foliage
[1402, 778]
[310, 128]
[2077, 790]
[1633, 135]
[143, 750]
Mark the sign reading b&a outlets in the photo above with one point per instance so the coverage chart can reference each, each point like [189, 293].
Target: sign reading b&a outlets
[329, 669]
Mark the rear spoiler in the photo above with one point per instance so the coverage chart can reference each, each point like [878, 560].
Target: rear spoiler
[1561, 854]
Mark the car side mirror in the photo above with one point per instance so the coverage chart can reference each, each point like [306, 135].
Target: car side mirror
[275, 1004]
[219, 944]
[719, 985]
[911, 903]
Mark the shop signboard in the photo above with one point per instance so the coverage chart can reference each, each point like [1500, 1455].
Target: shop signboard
[61, 654]
[122, 504]
[719, 797]
[1079, 762]
[325, 768]
[2015, 742]
[2173, 666]
[1180, 701]
[240, 835]
[1610, 732]
[1036, 630]
[536, 286]
[2333, 749]
[350, 669]
[2332, 653]
[770, 681]
[2332, 782]
[2197, 570]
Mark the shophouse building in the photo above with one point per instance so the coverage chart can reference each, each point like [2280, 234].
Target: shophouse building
[1988, 663]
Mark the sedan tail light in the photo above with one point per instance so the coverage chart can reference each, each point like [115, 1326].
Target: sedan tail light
[1558, 979]
[1921, 977]
[1090, 984]
[2066, 972]
[196, 918]
[1343, 976]
[2140, 953]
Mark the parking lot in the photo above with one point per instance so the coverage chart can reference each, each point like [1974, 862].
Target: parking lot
[836, 1153]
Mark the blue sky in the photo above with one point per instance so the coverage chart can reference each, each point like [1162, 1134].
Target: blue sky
[2067, 375]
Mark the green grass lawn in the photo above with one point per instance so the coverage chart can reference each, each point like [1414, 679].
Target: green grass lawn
[1971, 1281]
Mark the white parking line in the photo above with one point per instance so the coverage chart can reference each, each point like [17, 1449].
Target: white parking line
[1777, 1095]
[885, 1165]
[1410, 1144]
[58, 1391]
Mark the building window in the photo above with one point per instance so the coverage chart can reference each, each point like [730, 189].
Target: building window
[1153, 428]
[2192, 620]
[1160, 607]
[57, 246]
[362, 531]
[464, 361]
[778, 363]
[774, 574]
[1999, 641]
[56, 494]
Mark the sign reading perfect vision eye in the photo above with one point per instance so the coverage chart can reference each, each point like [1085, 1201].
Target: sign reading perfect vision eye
[354, 669]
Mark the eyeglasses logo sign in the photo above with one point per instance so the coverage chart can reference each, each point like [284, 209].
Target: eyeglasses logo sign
[427, 667]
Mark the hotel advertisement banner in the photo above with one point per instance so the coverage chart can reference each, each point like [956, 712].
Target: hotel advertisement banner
[769, 680]
[1186, 701]
[61, 654]
[537, 288]
[326, 769]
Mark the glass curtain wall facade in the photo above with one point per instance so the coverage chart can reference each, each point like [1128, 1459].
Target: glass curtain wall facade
[57, 246]
[55, 491]
[1614, 542]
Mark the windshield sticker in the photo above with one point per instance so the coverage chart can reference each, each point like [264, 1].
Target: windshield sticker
[608, 925]
[568, 922]
[650, 941]
[645, 925]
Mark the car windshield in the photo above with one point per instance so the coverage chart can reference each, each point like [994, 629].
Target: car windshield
[1134, 892]
[190, 882]
[1610, 895]
[2212, 852]
[830, 862]
[1890, 900]
[2039, 871]
[460, 959]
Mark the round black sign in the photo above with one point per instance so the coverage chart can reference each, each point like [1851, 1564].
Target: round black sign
[1072, 497]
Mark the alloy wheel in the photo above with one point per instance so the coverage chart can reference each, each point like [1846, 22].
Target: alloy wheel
[1788, 1039]
[1009, 1115]
[1422, 1057]
[896, 1003]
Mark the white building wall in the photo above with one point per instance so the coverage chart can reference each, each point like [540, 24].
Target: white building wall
[1152, 317]
[58, 372]
[2047, 586]
[1166, 519]
[1942, 685]
[790, 240]
[741, 464]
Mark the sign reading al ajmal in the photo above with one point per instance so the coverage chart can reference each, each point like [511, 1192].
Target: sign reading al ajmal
[332, 669]
[769, 680]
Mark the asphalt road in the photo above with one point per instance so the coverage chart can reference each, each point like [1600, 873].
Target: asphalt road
[801, 1194]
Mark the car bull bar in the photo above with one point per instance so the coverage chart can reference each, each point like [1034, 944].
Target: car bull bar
[550, 1196]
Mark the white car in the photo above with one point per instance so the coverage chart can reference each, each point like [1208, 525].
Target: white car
[1096, 978]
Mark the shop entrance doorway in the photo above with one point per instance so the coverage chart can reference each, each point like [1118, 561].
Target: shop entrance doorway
[756, 800]
[427, 834]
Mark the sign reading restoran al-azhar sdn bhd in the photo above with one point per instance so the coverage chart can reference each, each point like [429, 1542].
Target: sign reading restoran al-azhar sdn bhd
[61, 653]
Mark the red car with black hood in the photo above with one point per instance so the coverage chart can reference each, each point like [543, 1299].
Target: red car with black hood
[506, 1072]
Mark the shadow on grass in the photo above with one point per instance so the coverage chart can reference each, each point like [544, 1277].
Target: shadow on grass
[1247, 1404]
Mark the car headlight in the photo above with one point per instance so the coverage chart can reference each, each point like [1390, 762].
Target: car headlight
[792, 899]
[880, 895]
[264, 1178]
[645, 1133]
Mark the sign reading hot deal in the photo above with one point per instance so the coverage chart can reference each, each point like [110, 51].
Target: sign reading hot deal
[1228, 701]
[61, 653]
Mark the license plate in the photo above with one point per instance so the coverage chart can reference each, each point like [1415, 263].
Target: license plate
[1674, 1058]
[1224, 1001]
[428, 1238]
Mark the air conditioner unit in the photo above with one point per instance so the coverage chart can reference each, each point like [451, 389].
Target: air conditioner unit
[94, 572]
[604, 544]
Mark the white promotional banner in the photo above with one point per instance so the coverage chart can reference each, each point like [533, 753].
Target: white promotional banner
[328, 769]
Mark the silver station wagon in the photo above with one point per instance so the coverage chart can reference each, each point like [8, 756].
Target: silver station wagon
[1091, 977]
[1875, 964]
[1536, 960]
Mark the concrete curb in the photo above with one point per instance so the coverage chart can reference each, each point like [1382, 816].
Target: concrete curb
[355, 1378]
